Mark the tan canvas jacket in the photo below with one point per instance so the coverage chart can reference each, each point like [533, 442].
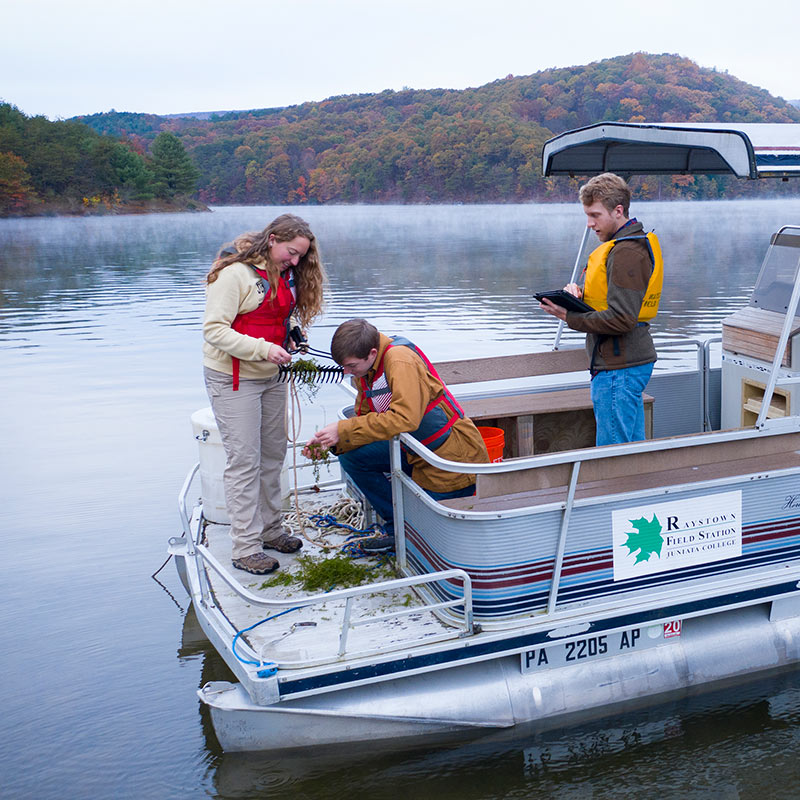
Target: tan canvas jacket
[413, 388]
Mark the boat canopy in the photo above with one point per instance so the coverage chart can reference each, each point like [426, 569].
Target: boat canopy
[752, 150]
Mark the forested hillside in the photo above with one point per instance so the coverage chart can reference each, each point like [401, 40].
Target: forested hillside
[475, 145]
[66, 167]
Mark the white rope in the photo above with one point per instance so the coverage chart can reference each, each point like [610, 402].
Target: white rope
[346, 510]
[296, 415]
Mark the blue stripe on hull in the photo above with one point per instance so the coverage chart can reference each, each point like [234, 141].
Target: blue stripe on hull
[451, 657]
[524, 587]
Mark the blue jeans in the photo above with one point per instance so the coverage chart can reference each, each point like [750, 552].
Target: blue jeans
[617, 401]
[367, 467]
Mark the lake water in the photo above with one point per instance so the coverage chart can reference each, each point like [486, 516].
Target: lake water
[100, 354]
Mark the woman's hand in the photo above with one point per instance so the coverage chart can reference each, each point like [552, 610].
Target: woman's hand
[277, 355]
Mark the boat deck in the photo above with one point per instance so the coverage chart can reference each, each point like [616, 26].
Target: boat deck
[296, 636]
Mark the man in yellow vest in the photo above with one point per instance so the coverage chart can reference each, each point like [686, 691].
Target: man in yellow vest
[622, 283]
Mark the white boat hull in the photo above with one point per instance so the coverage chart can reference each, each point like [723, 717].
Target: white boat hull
[729, 646]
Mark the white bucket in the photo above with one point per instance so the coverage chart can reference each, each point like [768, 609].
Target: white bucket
[212, 466]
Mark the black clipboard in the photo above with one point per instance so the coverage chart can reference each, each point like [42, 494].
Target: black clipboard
[565, 299]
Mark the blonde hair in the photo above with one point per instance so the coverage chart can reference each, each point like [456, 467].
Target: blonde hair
[253, 248]
[609, 189]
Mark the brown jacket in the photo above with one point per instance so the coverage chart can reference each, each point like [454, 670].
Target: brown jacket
[413, 388]
[614, 339]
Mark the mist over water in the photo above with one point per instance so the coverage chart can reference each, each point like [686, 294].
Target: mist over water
[100, 354]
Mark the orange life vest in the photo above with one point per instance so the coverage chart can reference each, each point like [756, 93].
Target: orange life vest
[434, 430]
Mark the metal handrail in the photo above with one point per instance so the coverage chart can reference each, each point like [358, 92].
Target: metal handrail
[404, 612]
[706, 382]
[338, 594]
[562, 538]
[783, 339]
[587, 454]
[573, 458]
[465, 627]
[182, 506]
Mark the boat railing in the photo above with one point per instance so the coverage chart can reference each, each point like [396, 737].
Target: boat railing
[786, 329]
[301, 467]
[683, 384]
[575, 459]
[707, 425]
[348, 623]
[204, 559]
[183, 507]
[696, 406]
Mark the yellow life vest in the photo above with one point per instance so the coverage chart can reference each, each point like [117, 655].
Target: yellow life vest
[595, 289]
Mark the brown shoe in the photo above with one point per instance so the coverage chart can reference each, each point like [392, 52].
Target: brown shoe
[257, 563]
[284, 544]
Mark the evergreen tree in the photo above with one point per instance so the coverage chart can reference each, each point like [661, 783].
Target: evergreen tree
[172, 168]
[134, 179]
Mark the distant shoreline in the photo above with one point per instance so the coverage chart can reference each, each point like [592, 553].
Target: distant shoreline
[90, 208]
[195, 206]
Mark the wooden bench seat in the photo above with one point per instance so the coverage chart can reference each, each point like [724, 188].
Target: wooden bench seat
[521, 416]
[544, 422]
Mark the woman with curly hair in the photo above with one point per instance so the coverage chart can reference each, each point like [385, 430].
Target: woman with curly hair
[257, 289]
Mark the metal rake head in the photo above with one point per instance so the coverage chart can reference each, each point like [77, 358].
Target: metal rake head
[310, 374]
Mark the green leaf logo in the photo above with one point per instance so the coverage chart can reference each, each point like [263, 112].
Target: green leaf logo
[646, 539]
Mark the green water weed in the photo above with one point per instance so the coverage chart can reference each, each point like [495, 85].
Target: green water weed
[304, 374]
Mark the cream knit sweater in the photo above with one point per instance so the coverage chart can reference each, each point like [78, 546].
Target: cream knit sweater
[237, 290]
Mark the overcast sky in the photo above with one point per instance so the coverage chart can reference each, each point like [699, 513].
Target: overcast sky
[61, 58]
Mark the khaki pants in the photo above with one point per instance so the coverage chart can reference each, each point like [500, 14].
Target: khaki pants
[252, 425]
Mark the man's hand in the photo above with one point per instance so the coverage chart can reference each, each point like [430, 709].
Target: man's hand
[551, 308]
[327, 436]
[559, 311]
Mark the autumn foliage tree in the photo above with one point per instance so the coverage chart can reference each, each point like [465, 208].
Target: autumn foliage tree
[473, 145]
[16, 191]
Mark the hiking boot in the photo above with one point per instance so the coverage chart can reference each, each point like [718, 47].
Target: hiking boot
[377, 544]
[257, 563]
[284, 544]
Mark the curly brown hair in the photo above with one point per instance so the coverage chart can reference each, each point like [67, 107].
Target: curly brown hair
[253, 248]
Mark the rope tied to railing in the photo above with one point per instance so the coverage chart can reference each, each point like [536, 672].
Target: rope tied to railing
[266, 669]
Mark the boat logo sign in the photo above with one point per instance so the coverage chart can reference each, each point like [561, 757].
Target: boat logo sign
[682, 533]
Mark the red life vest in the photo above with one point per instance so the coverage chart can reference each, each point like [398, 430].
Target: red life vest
[434, 429]
[270, 321]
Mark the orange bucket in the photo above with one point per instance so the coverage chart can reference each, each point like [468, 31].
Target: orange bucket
[495, 440]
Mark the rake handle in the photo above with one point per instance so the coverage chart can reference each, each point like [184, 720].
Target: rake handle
[303, 345]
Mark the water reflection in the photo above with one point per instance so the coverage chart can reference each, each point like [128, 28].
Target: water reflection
[435, 270]
[100, 345]
[709, 746]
